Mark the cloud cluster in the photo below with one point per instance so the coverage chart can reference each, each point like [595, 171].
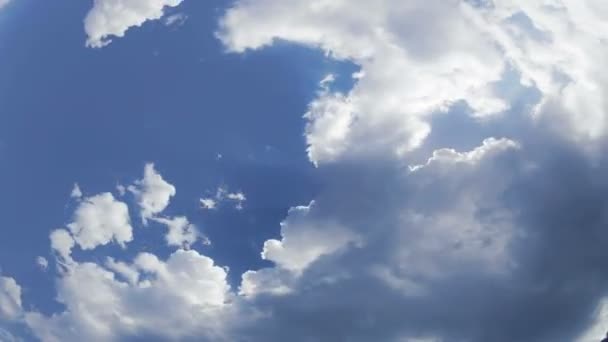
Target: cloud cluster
[112, 18]
[188, 287]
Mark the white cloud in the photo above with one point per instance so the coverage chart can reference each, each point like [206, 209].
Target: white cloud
[176, 19]
[122, 190]
[407, 77]
[99, 220]
[76, 192]
[208, 203]
[223, 195]
[449, 155]
[42, 262]
[274, 281]
[410, 73]
[599, 327]
[188, 289]
[153, 193]
[180, 232]
[62, 243]
[112, 18]
[238, 198]
[10, 299]
[304, 240]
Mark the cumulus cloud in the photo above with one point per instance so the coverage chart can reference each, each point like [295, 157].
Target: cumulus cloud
[99, 220]
[406, 78]
[112, 18]
[62, 243]
[304, 240]
[152, 192]
[180, 232]
[418, 58]
[188, 289]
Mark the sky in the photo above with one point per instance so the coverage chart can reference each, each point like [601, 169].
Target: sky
[304, 170]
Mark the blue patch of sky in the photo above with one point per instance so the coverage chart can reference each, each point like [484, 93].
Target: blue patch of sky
[168, 95]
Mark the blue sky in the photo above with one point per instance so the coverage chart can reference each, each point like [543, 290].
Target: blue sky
[168, 95]
[402, 171]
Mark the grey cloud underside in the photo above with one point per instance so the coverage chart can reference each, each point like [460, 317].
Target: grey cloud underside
[558, 253]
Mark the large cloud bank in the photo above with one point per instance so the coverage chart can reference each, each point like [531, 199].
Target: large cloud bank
[466, 194]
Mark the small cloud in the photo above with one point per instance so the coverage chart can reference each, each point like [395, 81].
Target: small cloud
[223, 195]
[42, 262]
[177, 19]
[76, 192]
[180, 232]
[208, 203]
[122, 190]
[238, 198]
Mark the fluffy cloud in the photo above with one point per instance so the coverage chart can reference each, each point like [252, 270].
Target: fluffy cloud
[305, 240]
[97, 221]
[62, 243]
[405, 77]
[100, 219]
[10, 299]
[153, 193]
[4, 3]
[110, 18]
[418, 58]
[180, 232]
[188, 289]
